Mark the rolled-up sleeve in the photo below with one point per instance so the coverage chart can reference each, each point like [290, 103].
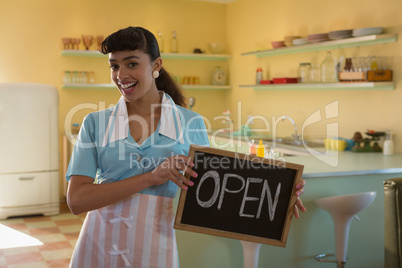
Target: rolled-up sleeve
[83, 160]
[197, 132]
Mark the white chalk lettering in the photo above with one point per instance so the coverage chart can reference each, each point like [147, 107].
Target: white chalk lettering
[271, 205]
[247, 198]
[245, 184]
[224, 189]
[210, 174]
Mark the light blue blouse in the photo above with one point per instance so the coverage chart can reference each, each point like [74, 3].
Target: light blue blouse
[106, 150]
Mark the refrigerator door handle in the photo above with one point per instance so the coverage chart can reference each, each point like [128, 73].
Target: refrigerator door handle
[26, 178]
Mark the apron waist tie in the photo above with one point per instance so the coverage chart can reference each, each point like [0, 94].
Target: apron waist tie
[127, 221]
[122, 253]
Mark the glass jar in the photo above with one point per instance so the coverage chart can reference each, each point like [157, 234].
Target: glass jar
[76, 77]
[303, 72]
[83, 78]
[314, 75]
[328, 72]
[67, 79]
[91, 77]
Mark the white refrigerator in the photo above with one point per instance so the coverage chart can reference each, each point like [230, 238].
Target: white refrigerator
[29, 150]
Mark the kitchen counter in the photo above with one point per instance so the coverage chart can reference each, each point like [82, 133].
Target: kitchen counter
[348, 164]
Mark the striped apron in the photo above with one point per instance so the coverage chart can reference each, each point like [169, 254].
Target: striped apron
[135, 232]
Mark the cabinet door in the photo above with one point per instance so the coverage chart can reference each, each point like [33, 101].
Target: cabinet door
[25, 189]
[28, 128]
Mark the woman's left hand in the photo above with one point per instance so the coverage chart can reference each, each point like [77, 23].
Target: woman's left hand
[299, 203]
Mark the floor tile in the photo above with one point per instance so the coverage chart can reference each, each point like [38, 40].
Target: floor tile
[41, 264]
[70, 228]
[58, 263]
[72, 236]
[24, 258]
[69, 222]
[12, 220]
[41, 224]
[20, 250]
[59, 234]
[55, 246]
[57, 254]
[45, 230]
[46, 238]
[17, 226]
[37, 218]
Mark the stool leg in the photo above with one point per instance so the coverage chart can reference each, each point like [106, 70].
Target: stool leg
[342, 225]
[251, 253]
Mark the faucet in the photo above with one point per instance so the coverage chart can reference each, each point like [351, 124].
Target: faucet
[295, 135]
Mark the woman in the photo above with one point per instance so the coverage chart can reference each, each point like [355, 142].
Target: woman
[136, 153]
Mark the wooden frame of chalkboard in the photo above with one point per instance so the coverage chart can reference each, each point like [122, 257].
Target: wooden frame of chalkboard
[239, 196]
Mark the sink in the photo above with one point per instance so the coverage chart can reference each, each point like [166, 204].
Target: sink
[299, 143]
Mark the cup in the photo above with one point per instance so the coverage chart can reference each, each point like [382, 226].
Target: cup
[338, 145]
[327, 144]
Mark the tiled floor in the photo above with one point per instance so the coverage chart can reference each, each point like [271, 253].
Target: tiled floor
[58, 234]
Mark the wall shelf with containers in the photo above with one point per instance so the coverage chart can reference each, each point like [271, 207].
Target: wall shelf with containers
[317, 86]
[326, 45]
[174, 56]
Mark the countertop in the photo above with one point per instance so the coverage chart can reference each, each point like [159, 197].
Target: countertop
[347, 163]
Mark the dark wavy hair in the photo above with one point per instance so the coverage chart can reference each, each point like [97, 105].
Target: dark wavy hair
[138, 38]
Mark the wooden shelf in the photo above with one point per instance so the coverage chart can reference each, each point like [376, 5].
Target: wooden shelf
[319, 86]
[89, 86]
[82, 53]
[205, 87]
[179, 56]
[327, 45]
[112, 86]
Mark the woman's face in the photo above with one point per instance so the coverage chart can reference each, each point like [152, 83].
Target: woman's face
[131, 71]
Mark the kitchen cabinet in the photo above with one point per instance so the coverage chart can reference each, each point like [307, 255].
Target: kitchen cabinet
[327, 45]
[170, 56]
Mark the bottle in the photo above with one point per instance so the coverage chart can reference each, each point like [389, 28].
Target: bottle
[76, 77]
[83, 77]
[260, 149]
[373, 64]
[328, 73]
[91, 77]
[303, 72]
[314, 74]
[258, 76]
[67, 79]
[252, 149]
[173, 43]
[388, 144]
[160, 41]
[348, 65]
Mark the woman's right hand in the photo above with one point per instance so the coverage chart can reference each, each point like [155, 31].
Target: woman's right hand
[172, 169]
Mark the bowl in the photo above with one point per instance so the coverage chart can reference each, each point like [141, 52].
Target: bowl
[216, 48]
[278, 44]
[289, 39]
[299, 41]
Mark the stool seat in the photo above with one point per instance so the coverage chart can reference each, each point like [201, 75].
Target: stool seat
[342, 209]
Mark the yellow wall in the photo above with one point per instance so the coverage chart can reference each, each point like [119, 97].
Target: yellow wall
[253, 24]
[31, 44]
[31, 33]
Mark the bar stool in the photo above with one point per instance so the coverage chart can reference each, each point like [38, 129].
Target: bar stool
[342, 210]
[251, 253]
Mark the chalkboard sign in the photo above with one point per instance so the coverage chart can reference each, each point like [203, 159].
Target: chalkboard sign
[239, 196]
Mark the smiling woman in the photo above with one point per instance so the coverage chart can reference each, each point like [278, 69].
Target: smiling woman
[134, 197]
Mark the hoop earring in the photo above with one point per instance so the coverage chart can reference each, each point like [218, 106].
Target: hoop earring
[155, 74]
